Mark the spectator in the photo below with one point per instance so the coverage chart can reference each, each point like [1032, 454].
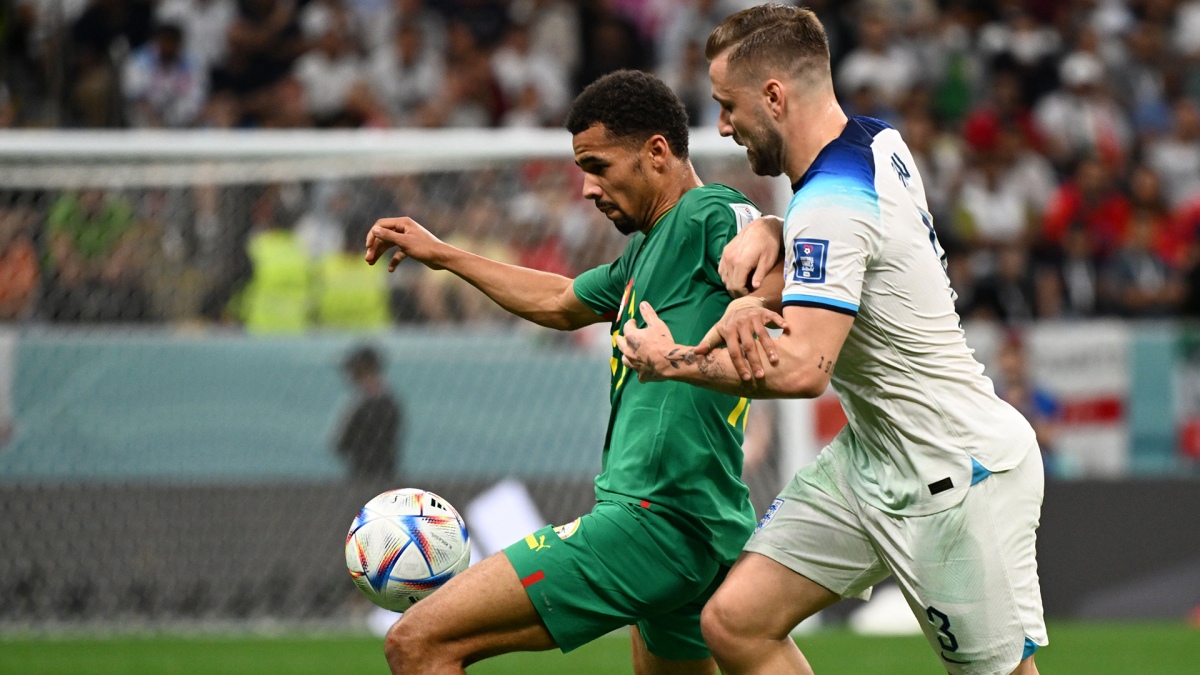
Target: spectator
[865, 100]
[487, 20]
[1004, 108]
[470, 96]
[1140, 79]
[332, 77]
[277, 297]
[1008, 294]
[104, 27]
[406, 74]
[1068, 282]
[991, 211]
[1148, 201]
[529, 78]
[349, 294]
[19, 272]
[444, 297]
[1176, 158]
[205, 25]
[1138, 281]
[1082, 118]
[554, 29]
[1091, 202]
[371, 431]
[1018, 43]
[609, 42]
[164, 86]
[688, 77]
[537, 246]
[264, 41]
[880, 64]
[376, 22]
[685, 24]
[93, 268]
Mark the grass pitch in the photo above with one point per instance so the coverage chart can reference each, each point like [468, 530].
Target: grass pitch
[1076, 649]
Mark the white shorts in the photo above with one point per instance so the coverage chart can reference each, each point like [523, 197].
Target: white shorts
[969, 573]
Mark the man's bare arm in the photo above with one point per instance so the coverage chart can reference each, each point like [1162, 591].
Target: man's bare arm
[541, 297]
[808, 352]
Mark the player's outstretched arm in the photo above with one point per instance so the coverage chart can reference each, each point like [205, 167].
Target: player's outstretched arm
[541, 297]
[808, 352]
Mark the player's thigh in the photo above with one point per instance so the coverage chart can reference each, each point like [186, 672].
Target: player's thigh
[812, 530]
[482, 612]
[764, 599]
[970, 572]
[675, 637]
[646, 662]
[609, 569]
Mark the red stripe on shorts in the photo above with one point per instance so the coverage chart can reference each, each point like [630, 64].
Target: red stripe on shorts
[533, 578]
[645, 504]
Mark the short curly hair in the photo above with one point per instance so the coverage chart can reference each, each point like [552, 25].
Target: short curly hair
[632, 105]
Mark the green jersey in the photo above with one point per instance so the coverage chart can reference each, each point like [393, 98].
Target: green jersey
[670, 445]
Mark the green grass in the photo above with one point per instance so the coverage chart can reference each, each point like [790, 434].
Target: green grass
[1076, 649]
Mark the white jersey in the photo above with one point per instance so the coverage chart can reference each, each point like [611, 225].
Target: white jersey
[859, 240]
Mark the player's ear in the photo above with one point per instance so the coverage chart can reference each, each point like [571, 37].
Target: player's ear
[773, 96]
[656, 150]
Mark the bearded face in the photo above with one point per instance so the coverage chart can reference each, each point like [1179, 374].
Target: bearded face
[764, 146]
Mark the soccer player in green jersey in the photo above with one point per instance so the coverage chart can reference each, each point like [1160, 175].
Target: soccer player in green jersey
[672, 512]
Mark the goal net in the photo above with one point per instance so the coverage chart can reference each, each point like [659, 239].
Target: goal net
[198, 372]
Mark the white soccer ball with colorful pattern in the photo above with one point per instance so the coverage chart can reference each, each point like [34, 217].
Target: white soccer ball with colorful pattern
[404, 545]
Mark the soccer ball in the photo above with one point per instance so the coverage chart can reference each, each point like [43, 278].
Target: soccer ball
[403, 545]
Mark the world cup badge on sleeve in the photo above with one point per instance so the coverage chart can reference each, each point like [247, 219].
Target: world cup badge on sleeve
[810, 255]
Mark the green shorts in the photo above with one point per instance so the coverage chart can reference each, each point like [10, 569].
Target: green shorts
[619, 565]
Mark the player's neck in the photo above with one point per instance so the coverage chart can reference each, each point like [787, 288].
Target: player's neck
[678, 182]
[818, 125]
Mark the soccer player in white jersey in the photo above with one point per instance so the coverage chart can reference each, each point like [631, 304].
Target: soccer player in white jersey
[935, 480]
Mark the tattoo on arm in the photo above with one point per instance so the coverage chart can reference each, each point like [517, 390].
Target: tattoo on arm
[674, 357]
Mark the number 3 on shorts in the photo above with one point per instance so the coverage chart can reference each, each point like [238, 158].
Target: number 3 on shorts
[942, 623]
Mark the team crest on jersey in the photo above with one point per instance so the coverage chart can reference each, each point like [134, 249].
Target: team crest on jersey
[769, 514]
[565, 531]
[810, 257]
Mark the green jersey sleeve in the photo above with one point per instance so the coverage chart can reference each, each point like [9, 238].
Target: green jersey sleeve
[603, 287]
[723, 213]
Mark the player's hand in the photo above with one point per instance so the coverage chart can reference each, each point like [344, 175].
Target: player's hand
[408, 237]
[743, 329]
[750, 255]
[647, 350]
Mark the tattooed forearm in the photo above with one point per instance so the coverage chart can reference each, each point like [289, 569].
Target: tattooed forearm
[677, 356]
[710, 367]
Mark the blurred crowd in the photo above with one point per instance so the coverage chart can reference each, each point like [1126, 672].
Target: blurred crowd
[1058, 142]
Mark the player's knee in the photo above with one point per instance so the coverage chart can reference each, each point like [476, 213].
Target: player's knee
[718, 626]
[407, 648]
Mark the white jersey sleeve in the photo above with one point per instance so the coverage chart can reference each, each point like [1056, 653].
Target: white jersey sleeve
[831, 235]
